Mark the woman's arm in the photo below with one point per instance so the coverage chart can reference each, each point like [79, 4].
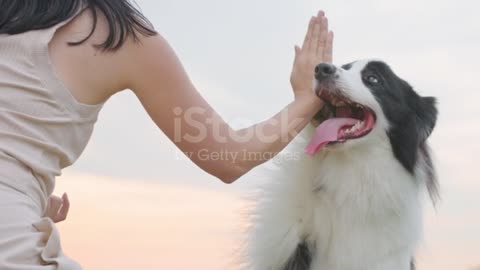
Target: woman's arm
[158, 79]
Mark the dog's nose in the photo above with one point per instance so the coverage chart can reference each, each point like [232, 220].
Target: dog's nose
[324, 70]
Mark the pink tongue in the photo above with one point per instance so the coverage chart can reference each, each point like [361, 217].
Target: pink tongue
[327, 132]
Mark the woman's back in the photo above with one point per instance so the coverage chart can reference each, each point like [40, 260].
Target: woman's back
[42, 125]
[43, 128]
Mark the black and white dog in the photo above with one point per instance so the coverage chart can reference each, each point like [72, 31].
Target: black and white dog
[355, 203]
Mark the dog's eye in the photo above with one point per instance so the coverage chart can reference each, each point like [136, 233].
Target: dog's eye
[373, 79]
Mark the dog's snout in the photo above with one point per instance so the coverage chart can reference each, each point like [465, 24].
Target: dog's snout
[324, 70]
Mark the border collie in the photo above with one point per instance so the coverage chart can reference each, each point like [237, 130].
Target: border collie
[354, 200]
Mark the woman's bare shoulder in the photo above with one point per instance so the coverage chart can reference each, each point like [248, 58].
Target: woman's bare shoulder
[92, 75]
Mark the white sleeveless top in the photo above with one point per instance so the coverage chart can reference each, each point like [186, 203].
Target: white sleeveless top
[43, 128]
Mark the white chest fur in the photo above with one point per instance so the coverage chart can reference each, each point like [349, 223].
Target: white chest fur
[358, 210]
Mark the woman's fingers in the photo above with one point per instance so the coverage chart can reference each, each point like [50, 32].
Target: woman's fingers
[62, 214]
[316, 35]
[57, 209]
[323, 35]
[317, 43]
[319, 25]
[316, 38]
[320, 13]
[308, 36]
[54, 203]
[328, 52]
[316, 48]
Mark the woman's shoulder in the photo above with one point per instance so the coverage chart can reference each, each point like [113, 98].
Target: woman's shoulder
[91, 74]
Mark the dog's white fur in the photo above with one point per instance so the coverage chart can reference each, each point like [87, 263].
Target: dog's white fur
[353, 202]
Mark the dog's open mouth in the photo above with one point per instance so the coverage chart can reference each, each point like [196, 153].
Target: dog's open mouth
[340, 120]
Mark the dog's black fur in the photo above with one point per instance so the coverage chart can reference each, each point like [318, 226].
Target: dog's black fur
[412, 119]
[301, 259]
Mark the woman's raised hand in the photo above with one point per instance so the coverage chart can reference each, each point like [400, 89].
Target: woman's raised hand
[317, 48]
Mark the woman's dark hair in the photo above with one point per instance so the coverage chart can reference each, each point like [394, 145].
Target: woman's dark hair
[124, 20]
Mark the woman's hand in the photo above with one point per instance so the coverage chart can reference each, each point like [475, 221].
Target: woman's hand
[57, 208]
[316, 49]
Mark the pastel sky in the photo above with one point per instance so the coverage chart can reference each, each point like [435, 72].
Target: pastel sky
[137, 204]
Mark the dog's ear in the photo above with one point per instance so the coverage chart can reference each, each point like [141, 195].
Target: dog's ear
[426, 117]
[413, 129]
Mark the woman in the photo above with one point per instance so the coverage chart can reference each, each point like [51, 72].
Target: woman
[60, 62]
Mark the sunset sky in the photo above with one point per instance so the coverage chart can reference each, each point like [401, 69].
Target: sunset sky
[138, 204]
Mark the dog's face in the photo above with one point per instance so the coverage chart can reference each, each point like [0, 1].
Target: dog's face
[365, 101]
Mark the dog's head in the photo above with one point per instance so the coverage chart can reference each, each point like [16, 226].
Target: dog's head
[365, 101]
